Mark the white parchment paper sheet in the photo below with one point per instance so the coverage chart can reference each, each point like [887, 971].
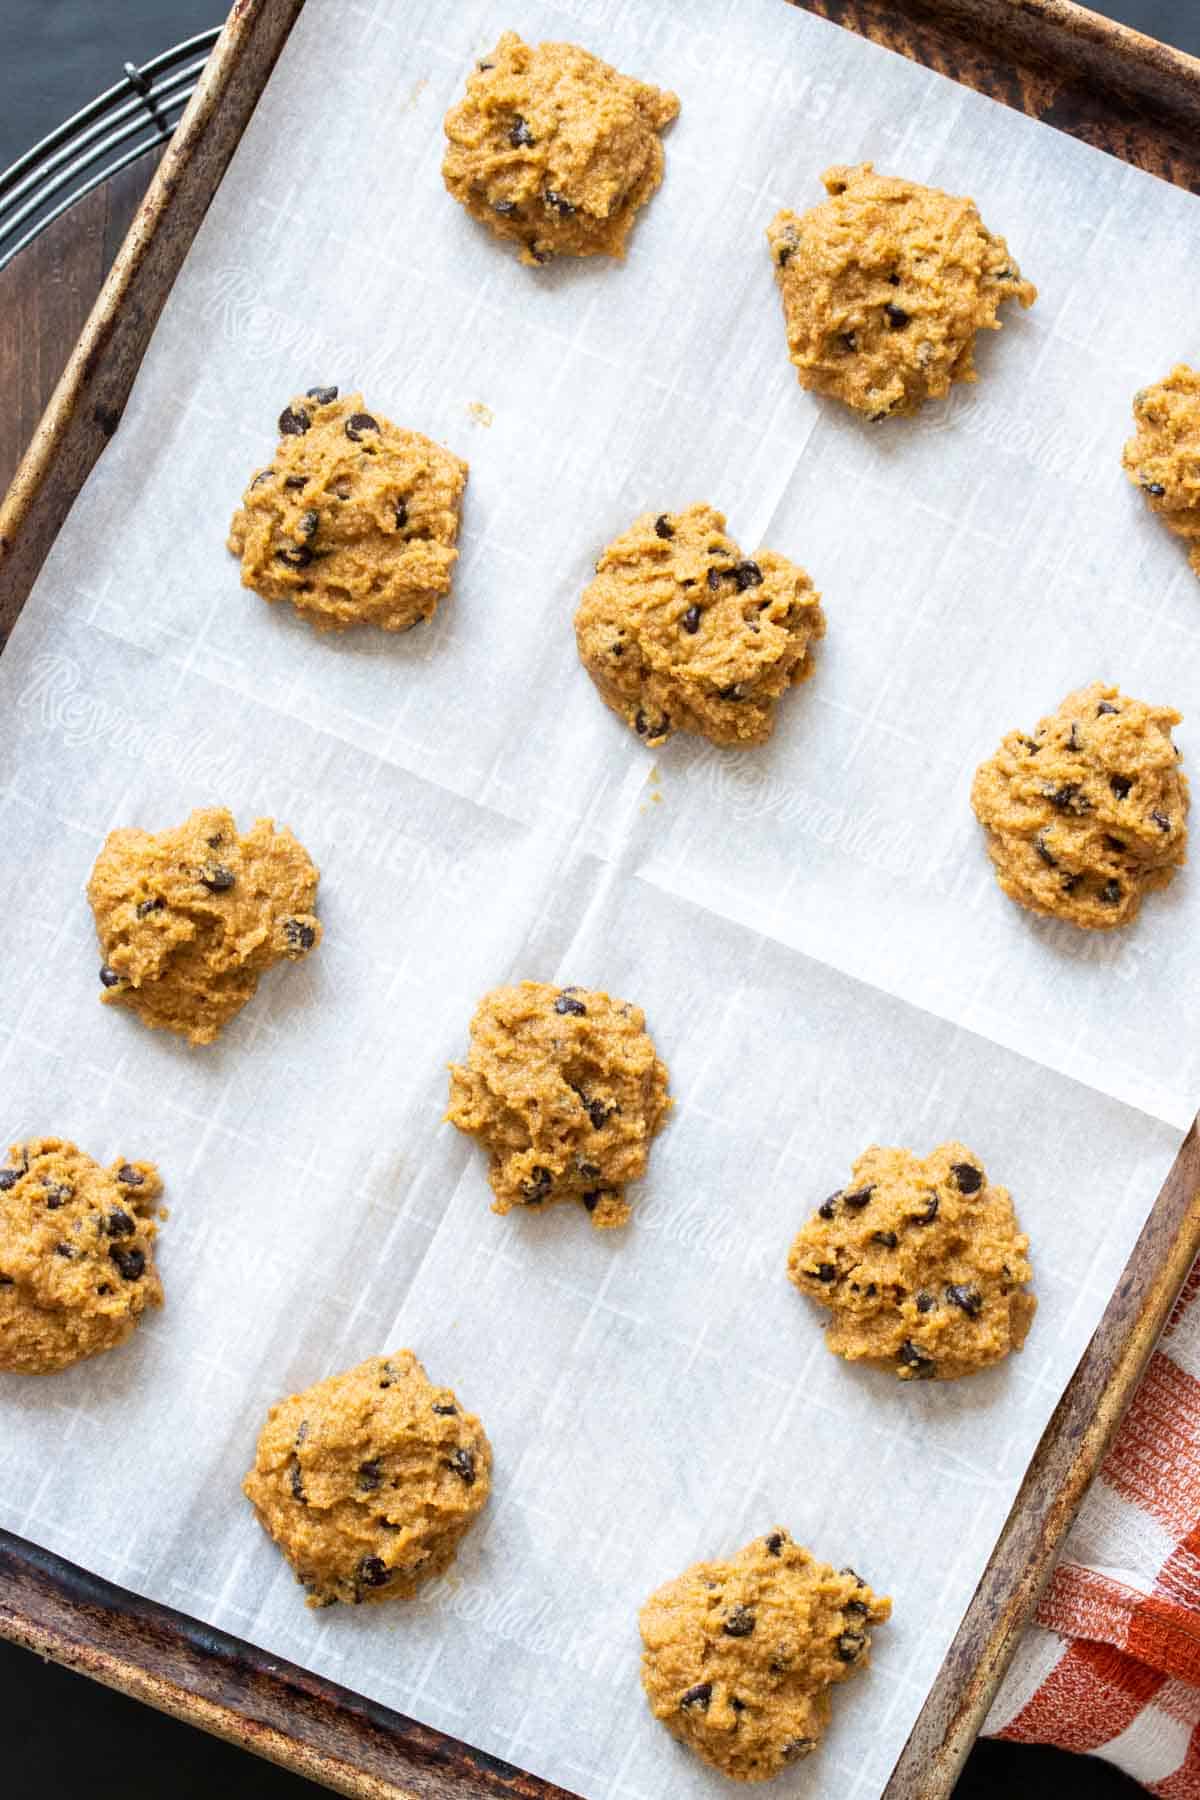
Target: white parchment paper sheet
[812, 928]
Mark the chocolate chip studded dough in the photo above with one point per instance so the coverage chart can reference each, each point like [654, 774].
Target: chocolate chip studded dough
[740, 1656]
[188, 919]
[354, 521]
[681, 632]
[1163, 458]
[369, 1481]
[564, 1090]
[76, 1254]
[1087, 816]
[921, 1264]
[884, 286]
[554, 149]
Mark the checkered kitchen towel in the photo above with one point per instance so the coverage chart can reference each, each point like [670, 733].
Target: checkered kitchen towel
[1112, 1665]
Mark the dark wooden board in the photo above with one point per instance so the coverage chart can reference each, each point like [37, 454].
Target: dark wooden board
[1055, 61]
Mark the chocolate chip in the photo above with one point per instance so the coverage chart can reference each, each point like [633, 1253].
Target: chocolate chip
[401, 514]
[739, 1706]
[795, 1748]
[463, 1464]
[7, 1281]
[850, 1646]
[131, 1263]
[1039, 844]
[1073, 742]
[296, 1480]
[1155, 488]
[1110, 894]
[296, 481]
[775, 1544]
[857, 1609]
[308, 522]
[262, 478]
[691, 620]
[925, 1301]
[591, 1199]
[825, 1272]
[118, 1223]
[896, 316]
[370, 1477]
[739, 1622]
[598, 1113]
[853, 1573]
[1069, 798]
[300, 935]
[565, 1004]
[930, 1213]
[538, 1184]
[967, 1178]
[663, 527]
[893, 280]
[559, 202]
[540, 254]
[108, 976]
[216, 878]
[697, 1698]
[848, 341]
[860, 1197]
[64, 1250]
[57, 1193]
[1161, 820]
[967, 1297]
[372, 1572]
[1070, 882]
[293, 421]
[828, 1208]
[504, 207]
[715, 577]
[519, 134]
[913, 1357]
[1120, 785]
[444, 1409]
[888, 1239]
[9, 1179]
[357, 423]
[747, 575]
[324, 396]
[1114, 843]
[731, 693]
[296, 556]
[1106, 706]
[146, 907]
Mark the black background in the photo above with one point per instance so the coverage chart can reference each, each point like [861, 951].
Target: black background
[65, 1737]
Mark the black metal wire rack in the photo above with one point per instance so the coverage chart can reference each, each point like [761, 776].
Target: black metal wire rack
[139, 112]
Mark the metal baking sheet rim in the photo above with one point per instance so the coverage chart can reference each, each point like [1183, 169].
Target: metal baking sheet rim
[227, 1687]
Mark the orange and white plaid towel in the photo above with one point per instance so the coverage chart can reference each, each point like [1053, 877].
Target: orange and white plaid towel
[1112, 1665]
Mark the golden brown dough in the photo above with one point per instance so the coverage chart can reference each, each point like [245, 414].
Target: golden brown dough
[740, 1656]
[188, 919]
[369, 1481]
[920, 1263]
[563, 1089]
[356, 519]
[1163, 458]
[884, 287]
[76, 1254]
[681, 632]
[1089, 814]
[554, 149]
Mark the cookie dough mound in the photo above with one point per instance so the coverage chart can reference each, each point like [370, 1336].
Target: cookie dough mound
[189, 919]
[740, 1655]
[554, 149]
[1163, 459]
[76, 1254]
[355, 520]
[920, 1263]
[1089, 814]
[681, 632]
[884, 286]
[563, 1088]
[369, 1481]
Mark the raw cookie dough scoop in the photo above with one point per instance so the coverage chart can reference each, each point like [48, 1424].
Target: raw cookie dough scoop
[1163, 458]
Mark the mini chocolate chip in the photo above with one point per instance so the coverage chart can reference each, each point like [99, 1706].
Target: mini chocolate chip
[967, 1297]
[519, 135]
[118, 1223]
[913, 1357]
[1073, 742]
[7, 1281]
[370, 1476]
[848, 341]
[714, 578]
[57, 1193]
[853, 1573]
[896, 316]
[930, 1213]
[697, 1698]
[131, 1263]
[591, 1199]
[308, 522]
[1155, 488]
[504, 207]
[775, 1544]
[146, 907]
[296, 1480]
[888, 1239]
[444, 1409]
[1161, 820]
[747, 574]
[739, 1622]
[1111, 893]
[538, 1185]
[850, 1646]
[108, 976]
[463, 1464]
[589, 1170]
[372, 1571]
[733, 692]
[691, 620]
[217, 878]
[64, 1250]
[565, 1004]
[598, 1113]
[540, 254]
[857, 1609]
[9, 1179]
[893, 280]
[401, 514]
[296, 481]
[967, 1178]
[1069, 798]
[663, 527]
[739, 1706]
[860, 1197]
[1120, 785]
[1106, 706]
[1070, 882]
[1114, 843]
[828, 1208]
[324, 396]
[300, 935]
[559, 202]
[261, 479]
[1039, 844]
[293, 421]
[296, 556]
[925, 1301]
[641, 724]
[795, 1748]
[826, 1272]
[357, 423]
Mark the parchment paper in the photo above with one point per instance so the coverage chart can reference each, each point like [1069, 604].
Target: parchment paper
[813, 928]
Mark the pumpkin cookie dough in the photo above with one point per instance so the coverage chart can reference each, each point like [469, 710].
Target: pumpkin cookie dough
[369, 1481]
[1163, 459]
[554, 149]
[920, 1263]
[740, 1656]
[564, 1090]
[884, 286]
[1089, 814]
[354, 521]
[189, 919]
[681, 632]
[76, 1254]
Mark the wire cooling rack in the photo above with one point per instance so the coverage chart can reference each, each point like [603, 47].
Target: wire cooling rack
[135, 115]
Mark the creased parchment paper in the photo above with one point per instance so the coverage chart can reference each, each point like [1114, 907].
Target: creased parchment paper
[812, 928]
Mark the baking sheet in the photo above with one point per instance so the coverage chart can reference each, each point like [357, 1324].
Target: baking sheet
[812, 927]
